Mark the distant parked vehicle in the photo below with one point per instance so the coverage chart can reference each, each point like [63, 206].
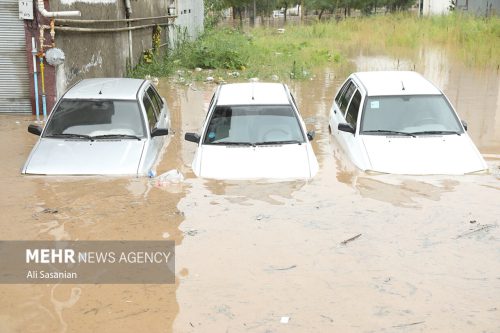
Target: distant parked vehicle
[107, 126]
[278, 13]
[291, 11]
[253, 131]
[398, 122]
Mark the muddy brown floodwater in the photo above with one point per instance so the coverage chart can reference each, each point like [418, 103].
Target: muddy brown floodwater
[248, 254]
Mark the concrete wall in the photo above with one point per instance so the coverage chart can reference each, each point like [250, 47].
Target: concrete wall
[106, 54]
[435, 7]
[189, 21]
[480, 7]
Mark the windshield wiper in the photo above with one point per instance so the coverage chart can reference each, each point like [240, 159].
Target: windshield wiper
[283, 142]
[389, 132]
[70, 136]
[436, 132]
[116, 136]
[231, 143]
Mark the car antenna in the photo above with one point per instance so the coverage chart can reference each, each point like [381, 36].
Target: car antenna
[253, 92]
[402, 85]
[100, 91]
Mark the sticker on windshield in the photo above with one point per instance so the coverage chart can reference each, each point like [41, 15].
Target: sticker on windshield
[374, 104]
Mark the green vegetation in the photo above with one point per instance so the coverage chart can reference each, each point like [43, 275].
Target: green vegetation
[301, 49]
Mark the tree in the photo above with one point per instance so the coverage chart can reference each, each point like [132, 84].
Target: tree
[284, 4]
[238, 7]
[213, 11]
[398, 5]
[322, 6]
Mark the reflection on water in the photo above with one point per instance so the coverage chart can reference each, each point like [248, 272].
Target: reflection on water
[406, 193]
[261, 191]
[344, 252]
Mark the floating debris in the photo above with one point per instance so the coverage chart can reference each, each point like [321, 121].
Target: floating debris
[192, 232]
[410, 324]
[283, 268]
[173, 176]
[326, 317]
[262, 216]
[350, 239]
[484, 227]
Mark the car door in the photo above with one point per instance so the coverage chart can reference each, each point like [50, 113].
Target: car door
[157, 117]
[160, 105]
[352, 141]
[339, 109]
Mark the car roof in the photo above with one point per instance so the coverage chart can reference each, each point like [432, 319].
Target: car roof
[105, 88]
[385, 83]
[258, 93]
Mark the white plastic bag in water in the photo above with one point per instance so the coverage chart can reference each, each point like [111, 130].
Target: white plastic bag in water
[173, 176]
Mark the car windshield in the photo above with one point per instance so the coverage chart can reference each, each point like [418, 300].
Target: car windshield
[253, 124]
[424, 114]
[94, 118]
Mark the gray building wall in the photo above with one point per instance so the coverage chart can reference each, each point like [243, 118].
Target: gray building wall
[190, 14]
[106, 54]
[479, 7]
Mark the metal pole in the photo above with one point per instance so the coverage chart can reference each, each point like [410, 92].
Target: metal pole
[35, 77]
[44, 101]
[128, 13]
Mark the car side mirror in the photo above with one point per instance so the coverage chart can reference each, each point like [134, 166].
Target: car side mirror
[159, 132]
[464, 124]
[192, 137]
[35, 129]
[310, 135]
[345, 127]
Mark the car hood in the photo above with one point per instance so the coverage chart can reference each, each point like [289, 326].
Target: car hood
[423, 155]
[289, 161]
[77, 157]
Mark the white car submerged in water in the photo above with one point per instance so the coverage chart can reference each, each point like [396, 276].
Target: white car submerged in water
[398, 122]
[253, 131]
[108, 126]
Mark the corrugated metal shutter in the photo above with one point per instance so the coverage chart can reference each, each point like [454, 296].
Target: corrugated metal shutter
[14, 75]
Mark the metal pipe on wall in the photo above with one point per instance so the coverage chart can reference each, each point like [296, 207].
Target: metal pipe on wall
[76, 29]
[63, 21]
[44, 12]
[128, 13]
[35, 77]
[44, 98]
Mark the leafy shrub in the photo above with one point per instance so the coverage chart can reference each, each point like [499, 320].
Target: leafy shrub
[223, 48]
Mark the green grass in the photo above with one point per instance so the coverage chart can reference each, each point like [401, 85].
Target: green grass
[265, 53]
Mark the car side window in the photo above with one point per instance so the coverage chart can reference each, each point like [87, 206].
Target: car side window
[353, 110]
[344, 96]
[155, 99]
[150, 111]
[210, 105]
[293, 100]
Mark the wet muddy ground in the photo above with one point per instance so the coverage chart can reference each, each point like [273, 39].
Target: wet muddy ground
[427, 258]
